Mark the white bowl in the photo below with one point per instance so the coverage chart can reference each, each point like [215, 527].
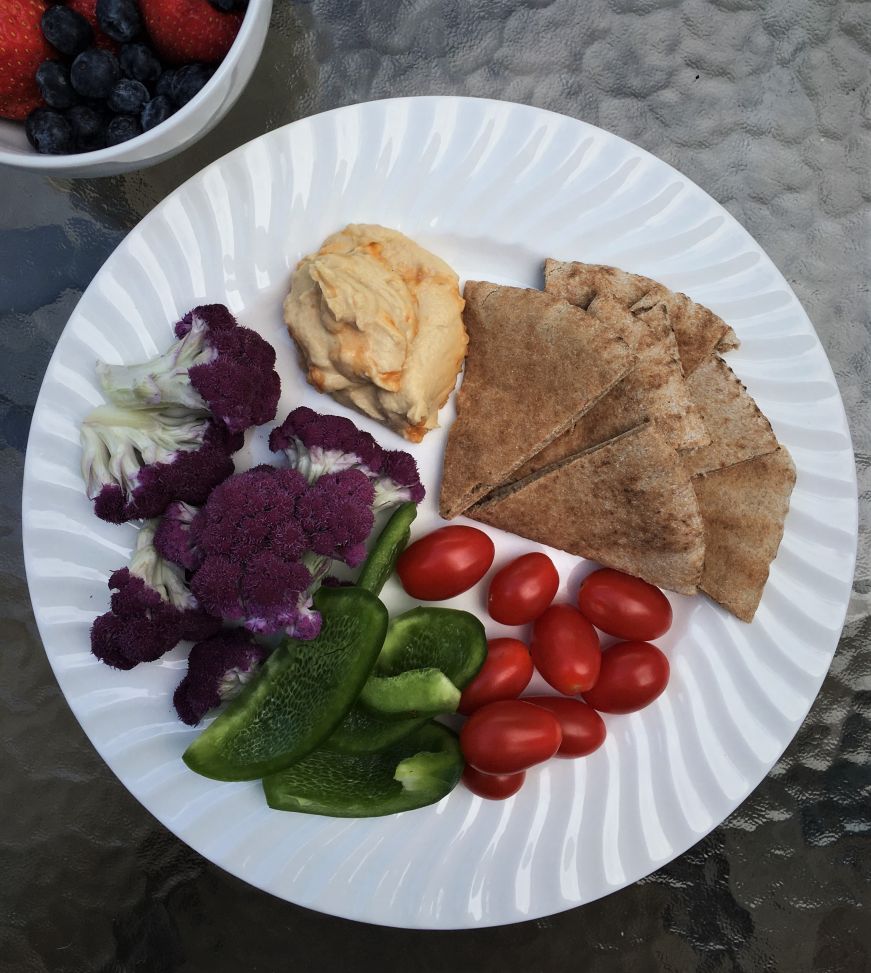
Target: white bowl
[180, 130]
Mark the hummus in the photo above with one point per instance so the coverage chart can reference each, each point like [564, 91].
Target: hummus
[378, 324]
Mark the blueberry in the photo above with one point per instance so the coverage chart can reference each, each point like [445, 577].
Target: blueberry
[66, 30]
[122, 128]
[49, 132]
[138, 62]
[164, 82]
[227, 5]
[119, 19]
[188, 81]
[128, 97]
[94, 73]
[53, 81]
[89, 127]
[156, 111]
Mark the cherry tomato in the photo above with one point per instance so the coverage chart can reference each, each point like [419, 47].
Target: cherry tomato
[505, 674]
[508, 736]
[633, 674]
[496, 787]
[522, 590]
[565, 649]
[624, 606]
[445, 563]
[582, 727]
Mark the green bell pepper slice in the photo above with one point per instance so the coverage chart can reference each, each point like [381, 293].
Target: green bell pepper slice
[439, 638]
[362, 731]
[301, 695]
[392, 541]
[415, 692]
[420, 769]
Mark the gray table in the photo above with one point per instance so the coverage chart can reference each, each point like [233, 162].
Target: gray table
[765, 105]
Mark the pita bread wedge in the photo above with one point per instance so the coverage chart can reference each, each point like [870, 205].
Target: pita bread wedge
[743, 507]
[739, 431]
[657, 380]
[654, 389]
[628, 504]
[699, 332]
[533, 365]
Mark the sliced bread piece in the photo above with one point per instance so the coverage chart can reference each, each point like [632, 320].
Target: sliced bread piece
[533, 366]
[628, 504]
[743, 508]
[739, 430]
[699, 332]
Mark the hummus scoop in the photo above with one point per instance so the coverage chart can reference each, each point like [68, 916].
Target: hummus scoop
[378, 324]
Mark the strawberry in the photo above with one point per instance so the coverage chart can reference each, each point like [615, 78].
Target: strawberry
[22, 50]
[88, 9]
[189, 30]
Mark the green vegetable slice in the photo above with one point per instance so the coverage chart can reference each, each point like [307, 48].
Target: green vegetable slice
[362, 731]
[439, 638]
[416, 692]
[391, 542]
[418, 770]
[302, 694]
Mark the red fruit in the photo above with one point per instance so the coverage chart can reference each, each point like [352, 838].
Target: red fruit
[582, 727]
[565, 649]
[495, 787]
[633, 674]
[22, 50]
[505, 674]
[509, 736]
[88, 9]
[189, 30]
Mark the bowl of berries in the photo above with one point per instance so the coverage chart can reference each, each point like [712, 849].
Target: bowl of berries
[98, 87]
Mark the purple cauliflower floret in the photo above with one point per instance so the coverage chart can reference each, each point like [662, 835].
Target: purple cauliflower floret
[253, 510]
[136, 462]
[152, 610]
[218, 668]
[252, 545]
[398, 480]
[336, 515]
[216, 366]
[176, 535]
[319, 444]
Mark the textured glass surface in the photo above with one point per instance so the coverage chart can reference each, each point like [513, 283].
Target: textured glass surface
[766, 106]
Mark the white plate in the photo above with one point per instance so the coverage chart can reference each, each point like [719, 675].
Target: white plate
[493, 188]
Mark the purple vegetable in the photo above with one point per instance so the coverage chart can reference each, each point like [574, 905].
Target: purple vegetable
[137, 461]
[317, 445]
[252, 549]
[336, 515]
[152, 610]
[216, 367]
[218, 668]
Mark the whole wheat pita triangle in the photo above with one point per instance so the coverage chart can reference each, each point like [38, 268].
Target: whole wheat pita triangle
[739, 430]
[698, 330]
[744, 507]
[655, 389]
[628, 504]
[533, 365]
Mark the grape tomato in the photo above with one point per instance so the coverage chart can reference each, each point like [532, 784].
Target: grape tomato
[445, 563]
[508, 736]
[520, 591]
[565, 649]
[633, 674]
[505, 674]
[495, 787]
[582, 728]
[623, 606]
